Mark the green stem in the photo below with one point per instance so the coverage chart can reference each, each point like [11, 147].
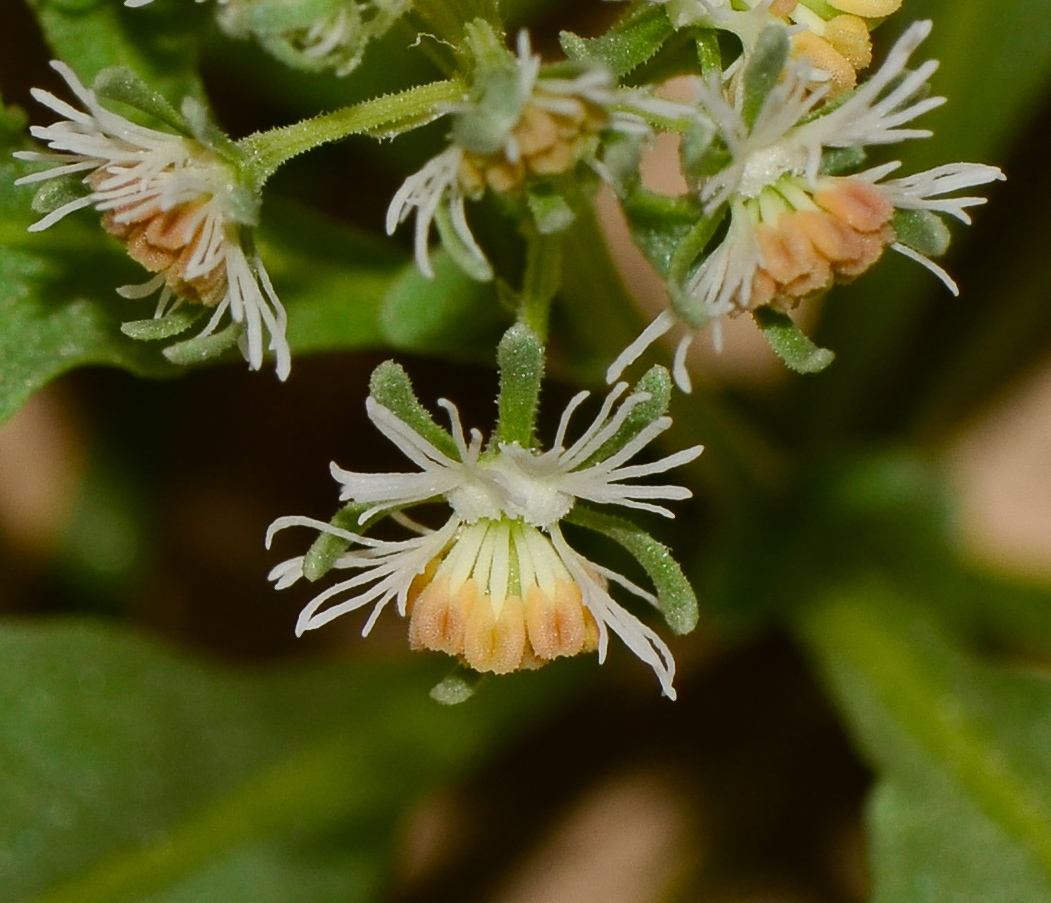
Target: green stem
[543, 275]
[738, 461]
[383, 116]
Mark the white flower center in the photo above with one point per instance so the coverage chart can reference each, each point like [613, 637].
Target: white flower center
[517, 484]
[765, 166]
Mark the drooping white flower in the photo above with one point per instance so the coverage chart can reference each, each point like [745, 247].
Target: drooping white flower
[497, 586]
[793, 230]
[522, 124]
[181, 209]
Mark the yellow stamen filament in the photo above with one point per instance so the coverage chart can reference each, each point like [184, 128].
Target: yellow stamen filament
[868, 9]
[849, 36]
[547, 145]
[824, 56]
[164, 241]
[477, 619]
[804, 251]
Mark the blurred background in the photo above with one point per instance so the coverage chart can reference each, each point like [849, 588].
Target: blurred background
[146, 502]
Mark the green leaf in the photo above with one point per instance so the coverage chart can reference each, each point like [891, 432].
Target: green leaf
[132, 772]
[332, 279]
[962, 812]
[789, 343]
[158, 42]
[451, 314]
[661, 224]
[59, 308]
[634, 40]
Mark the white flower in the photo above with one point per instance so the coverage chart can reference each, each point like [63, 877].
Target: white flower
[540, 125]
[180, 208]
[497, 586]
[793, 231]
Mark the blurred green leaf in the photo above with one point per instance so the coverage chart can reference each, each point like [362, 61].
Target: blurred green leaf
[962, 812]
[134, 772]
[159, 42]
[451, 314]
[634, 40]
[59, 308]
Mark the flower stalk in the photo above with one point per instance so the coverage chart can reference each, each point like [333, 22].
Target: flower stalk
[381, 117]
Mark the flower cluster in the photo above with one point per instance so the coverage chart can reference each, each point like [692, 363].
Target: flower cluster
[524, 124]
[794, 228]
[178, 204]
[316, 36]
[497, 586]
[832, 36]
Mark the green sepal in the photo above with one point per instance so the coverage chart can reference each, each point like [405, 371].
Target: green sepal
[675, 596]
[923, 231]
[655, 382]
[495, 108]
[203, 348]
[468, 259]
[634, 40]
[55, 193]
[709, 56]
[203, 128]
[789, 343]
[520, 357]
[836, 161]
[496, 100]
[458, 686]
[324, 550]
[551, 211]
[391, 387]
[125, 86]
[701, 154]
[763, 70]
[153, 329]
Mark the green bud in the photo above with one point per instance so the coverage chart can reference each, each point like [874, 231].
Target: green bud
[57, 193]
[551, 212]
[459, 686]
[495, 109]
[520, 357]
